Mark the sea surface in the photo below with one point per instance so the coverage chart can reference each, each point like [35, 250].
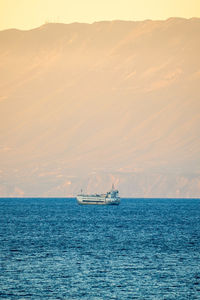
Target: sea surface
[141, 249]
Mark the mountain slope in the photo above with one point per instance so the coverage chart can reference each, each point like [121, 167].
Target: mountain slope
[86, 105]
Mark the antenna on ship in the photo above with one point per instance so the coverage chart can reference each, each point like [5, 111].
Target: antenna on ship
[113, 187]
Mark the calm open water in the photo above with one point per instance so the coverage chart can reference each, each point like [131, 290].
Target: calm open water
[141, 249]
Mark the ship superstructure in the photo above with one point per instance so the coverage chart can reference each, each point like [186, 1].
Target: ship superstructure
[110, 198]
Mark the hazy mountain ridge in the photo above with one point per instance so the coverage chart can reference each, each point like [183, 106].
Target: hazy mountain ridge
[90, 104]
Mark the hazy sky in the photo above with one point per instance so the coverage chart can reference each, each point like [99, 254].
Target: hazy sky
[26, 14]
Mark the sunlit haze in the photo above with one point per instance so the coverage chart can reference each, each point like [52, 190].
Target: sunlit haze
[100, 92]
[25, 14]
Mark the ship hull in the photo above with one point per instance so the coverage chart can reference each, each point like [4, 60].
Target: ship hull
[86, 200]
[96, 203]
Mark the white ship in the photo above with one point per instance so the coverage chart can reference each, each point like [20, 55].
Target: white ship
[110, 198]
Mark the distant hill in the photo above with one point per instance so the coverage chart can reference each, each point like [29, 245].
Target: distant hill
[85, 105]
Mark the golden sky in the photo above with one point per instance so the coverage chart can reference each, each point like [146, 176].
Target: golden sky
[26, 14]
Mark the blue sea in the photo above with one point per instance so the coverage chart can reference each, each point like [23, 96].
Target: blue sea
[141, 249]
